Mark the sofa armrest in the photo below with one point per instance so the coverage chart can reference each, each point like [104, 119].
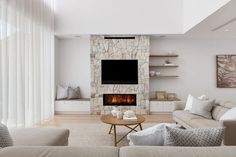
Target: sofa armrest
[230, 132]
[179, 105]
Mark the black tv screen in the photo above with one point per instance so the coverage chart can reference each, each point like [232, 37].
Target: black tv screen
[119, 71]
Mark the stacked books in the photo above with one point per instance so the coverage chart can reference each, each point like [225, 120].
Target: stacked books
[133, 118]
[129, 115]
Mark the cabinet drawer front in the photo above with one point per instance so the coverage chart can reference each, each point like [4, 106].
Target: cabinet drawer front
[72, 106]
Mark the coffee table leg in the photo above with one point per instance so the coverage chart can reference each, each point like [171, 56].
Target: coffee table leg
[115, 135]
[140, 125]
[110, 129]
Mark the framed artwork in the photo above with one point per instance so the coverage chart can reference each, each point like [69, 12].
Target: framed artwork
[161, 95]
[226, 71]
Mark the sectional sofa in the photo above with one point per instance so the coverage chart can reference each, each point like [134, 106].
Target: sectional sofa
[189, 120]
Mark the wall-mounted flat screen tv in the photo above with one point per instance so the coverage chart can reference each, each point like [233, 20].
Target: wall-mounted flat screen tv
[119, 71]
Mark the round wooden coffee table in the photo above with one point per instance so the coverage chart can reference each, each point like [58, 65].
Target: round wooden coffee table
[113, 121]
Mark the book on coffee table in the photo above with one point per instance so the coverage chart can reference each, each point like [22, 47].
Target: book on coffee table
[133, 118]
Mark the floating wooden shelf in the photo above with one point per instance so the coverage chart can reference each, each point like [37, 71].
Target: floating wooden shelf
[81, 99]
[154, 99]
[163, 55]
[163, 66]
[164, 76]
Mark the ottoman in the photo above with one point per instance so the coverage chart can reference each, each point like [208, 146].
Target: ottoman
[39, 136]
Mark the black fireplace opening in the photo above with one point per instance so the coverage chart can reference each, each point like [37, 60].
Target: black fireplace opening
[119, 71]
[119, 99]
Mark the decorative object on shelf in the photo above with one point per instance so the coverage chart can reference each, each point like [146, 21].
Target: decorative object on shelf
[167, 61]
[161, 95]
[171, 96]
[114, 111]
[226, 71]
[152, 73]
[158, 73]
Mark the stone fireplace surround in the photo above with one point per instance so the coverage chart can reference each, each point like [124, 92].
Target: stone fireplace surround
[101, 49]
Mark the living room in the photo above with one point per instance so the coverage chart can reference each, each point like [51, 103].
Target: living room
[117, 78]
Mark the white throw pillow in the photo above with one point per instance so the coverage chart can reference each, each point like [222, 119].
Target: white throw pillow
[153, 136]
[189, 102]
[61, 92]
[229, 115]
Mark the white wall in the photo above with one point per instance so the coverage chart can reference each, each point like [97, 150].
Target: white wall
[197, 67]
[73, 63]
[118, 17]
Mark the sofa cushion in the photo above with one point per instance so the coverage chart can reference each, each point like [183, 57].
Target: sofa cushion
[221, 108]
[50, 151]
[226, 104]
[194, 137]
[40, 136]
[229, 115]
[218, 112]
[203, 123]
[185, 116]
[150, 151]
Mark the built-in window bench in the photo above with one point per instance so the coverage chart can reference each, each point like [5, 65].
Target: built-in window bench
[75, 106]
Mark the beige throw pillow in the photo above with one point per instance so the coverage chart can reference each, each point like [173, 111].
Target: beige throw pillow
[194, 137]
[202, 107]
[5, 138]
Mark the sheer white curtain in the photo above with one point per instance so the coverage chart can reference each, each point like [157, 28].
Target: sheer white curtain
[26, 61]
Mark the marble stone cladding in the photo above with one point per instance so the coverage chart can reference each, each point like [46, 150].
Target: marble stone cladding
[102, 49]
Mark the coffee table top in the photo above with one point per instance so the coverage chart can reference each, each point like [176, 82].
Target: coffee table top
[109, 119]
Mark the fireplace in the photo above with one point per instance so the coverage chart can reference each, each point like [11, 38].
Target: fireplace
[119, 100]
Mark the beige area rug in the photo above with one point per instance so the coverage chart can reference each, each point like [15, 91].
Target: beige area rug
[96, 134]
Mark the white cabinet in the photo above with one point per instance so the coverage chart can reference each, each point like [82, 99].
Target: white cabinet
[79, 106]
[161, 106]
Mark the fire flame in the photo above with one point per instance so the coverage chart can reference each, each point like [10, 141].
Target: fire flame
[122, 99]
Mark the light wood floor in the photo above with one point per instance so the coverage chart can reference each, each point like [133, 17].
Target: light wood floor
[71, 119]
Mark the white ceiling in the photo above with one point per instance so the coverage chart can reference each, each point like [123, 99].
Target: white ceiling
[219, 25]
